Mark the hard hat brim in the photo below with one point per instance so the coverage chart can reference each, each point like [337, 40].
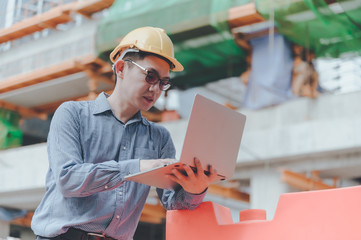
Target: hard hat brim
[117, 52]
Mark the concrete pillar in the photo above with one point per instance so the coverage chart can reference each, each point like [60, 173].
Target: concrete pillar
[266, 188]
[4, 229]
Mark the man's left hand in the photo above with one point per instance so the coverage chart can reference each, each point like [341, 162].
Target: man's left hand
[194, 182]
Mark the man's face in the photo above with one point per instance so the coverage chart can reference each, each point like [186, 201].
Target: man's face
[135, 90]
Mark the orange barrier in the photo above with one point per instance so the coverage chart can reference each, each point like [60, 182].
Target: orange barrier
[317, 215]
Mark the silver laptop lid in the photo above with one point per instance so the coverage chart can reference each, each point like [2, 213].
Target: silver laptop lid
[213, 135]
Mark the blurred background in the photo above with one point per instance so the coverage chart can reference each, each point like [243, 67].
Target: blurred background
[292, 66]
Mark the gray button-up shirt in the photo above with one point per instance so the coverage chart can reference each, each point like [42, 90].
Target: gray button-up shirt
[90, 152]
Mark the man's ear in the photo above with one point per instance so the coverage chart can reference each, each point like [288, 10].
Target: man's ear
[119, 67]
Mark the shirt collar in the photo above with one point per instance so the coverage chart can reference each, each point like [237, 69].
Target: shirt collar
[102, 105]
[138, 117]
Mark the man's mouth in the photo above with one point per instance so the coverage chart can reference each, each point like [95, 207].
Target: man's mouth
[149, 99]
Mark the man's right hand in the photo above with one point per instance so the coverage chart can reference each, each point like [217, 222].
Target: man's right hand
[148, 164]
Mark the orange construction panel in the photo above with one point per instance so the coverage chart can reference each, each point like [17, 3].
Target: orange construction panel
[326, 214]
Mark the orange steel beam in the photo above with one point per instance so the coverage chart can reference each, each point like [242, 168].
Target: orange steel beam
[24, 221]
[302, 182]
[89, 7]
[153, 213]
[23, 111]
[40, 75]
[154, 210]
[36, 23]
[51, 72]
[244, 15]
[228, 193]
[51, 18]
[89, 64]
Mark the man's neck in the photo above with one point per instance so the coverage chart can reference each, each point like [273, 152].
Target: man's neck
[121, 109]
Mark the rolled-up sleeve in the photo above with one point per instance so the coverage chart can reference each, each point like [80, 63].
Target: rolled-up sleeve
[180, 199]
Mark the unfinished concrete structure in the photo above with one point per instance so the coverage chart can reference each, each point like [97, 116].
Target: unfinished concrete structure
[303, 144]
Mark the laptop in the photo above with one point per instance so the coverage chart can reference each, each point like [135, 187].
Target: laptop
[213, 135]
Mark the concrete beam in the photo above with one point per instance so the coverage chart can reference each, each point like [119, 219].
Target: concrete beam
[344, 164]
[302, 127]
[23, 168]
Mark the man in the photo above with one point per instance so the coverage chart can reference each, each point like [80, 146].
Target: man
[93, 145]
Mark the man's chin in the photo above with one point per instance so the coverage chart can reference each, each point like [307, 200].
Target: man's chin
[146, 108]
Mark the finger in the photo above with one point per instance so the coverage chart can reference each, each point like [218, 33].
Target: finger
[189, 171]
[213, 173]
[198, 165]
[178, 174]
[211, 170]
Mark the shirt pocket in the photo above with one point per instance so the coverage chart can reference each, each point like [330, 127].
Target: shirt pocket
[145, 153]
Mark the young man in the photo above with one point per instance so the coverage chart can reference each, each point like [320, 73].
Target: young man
[93, 145]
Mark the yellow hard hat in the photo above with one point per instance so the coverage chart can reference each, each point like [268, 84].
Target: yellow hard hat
[148, 39]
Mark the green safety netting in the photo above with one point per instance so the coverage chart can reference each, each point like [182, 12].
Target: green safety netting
[204, 45]
[10, 134]
[328, 30]
[199, 30]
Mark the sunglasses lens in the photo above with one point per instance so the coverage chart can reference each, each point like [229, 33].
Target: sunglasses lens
[151, 77]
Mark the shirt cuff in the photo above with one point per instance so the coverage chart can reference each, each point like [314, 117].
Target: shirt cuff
[194, 199]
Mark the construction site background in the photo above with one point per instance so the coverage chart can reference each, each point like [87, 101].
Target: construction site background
[281, 63]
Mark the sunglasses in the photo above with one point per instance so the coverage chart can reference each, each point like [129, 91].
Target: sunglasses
[152, 77]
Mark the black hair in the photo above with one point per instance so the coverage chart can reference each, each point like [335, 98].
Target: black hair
[134, 56]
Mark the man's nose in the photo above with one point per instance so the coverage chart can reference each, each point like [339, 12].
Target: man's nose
[154, 87]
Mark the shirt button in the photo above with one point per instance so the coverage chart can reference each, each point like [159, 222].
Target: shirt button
[124, 148]
[106, 187]
[118, 216]
[120, 193]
